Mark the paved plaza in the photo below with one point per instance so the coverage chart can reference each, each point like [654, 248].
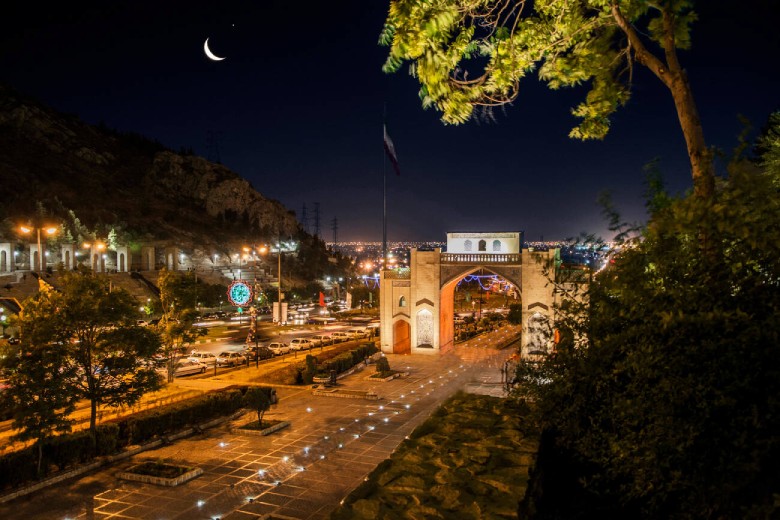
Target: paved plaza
[300, 472]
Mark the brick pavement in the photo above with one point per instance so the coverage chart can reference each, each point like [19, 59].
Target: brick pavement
[301, 472]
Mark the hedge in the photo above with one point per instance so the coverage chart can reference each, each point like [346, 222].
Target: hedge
[77, 448]
[302, 374]
[347, 360]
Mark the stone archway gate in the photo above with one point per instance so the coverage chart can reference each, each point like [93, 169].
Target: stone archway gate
[422, 295]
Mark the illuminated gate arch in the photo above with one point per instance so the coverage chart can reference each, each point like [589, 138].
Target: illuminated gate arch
[428, 286]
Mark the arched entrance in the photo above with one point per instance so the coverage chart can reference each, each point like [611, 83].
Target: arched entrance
[402, 338]
[449, 301]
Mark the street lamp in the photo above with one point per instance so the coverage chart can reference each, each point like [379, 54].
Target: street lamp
[281, 247]
[49, 231]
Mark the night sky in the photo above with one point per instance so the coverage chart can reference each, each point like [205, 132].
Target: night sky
[297, 109]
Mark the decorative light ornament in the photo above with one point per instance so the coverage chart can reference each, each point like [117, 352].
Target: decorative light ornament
[239, 293]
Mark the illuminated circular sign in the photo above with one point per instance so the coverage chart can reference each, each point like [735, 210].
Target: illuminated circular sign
[239, 293]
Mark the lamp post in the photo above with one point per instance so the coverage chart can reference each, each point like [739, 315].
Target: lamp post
[41, 256]
[281, 247]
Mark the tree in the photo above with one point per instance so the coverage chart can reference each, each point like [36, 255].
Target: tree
[39, 385]
[258, 400]
[178, 301]
[515, 316]
[97, 326]
[662, 395]
[469, 53]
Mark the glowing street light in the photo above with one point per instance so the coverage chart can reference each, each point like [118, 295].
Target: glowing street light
[41, 257]
[281, 247]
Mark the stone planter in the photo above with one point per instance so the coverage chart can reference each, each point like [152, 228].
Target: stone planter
[160, 481]
[260, 433]
[388, 378]
[346, 394]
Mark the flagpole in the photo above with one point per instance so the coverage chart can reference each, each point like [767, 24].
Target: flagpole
[384, 191]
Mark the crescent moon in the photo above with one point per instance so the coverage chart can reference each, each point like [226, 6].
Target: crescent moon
[208, 52]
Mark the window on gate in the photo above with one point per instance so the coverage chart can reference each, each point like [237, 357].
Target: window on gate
[496, 245]
[402, 301]
[467, 245]
[482, 245]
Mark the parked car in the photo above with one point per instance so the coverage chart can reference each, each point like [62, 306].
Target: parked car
[230, 359]
[185, 367]
[339, 336]
[204, 357]
[279, 348]
[357, 333]
[262, 351]
[321, 339]
[141, 323]
[301, 344]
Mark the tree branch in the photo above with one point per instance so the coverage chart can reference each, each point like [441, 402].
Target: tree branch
[644, 56]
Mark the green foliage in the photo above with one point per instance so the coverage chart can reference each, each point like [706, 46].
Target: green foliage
[310, 371]
[40, 391]
[515, 315]
[663, 391]
[179, 294]
[101, 351]
[470, 53]
[259, 400]
[382, 365]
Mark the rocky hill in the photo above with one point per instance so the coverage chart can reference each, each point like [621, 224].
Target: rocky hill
[102, 179]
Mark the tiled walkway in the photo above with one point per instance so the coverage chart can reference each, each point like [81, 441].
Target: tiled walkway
[301, 472]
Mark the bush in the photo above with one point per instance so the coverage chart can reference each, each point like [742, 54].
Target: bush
[382, 365]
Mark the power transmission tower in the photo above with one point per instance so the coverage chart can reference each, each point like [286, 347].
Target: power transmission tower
[335, 228]
[305, 219]
[316, 219]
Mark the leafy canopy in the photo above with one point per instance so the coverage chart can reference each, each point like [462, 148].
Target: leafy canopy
[664, 387]
[473, 53]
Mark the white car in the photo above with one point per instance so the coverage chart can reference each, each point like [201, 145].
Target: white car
[230, 359]
[321, 339]
[338, 337]
[279, 348]
[301, 344]
[204, 357]
[357, 333]
[185, 367]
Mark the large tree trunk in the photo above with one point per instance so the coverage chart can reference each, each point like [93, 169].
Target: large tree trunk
[93, 419]
[676, 80]
[40, 456]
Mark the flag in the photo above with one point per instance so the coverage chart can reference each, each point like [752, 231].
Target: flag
[322, 300]
[390, 151]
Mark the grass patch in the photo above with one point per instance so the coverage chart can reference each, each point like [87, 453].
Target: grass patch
[470, 460]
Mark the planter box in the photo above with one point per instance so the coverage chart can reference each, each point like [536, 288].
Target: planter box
[388, 378]
[260, 433]
[160, 481]
[347, 394]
